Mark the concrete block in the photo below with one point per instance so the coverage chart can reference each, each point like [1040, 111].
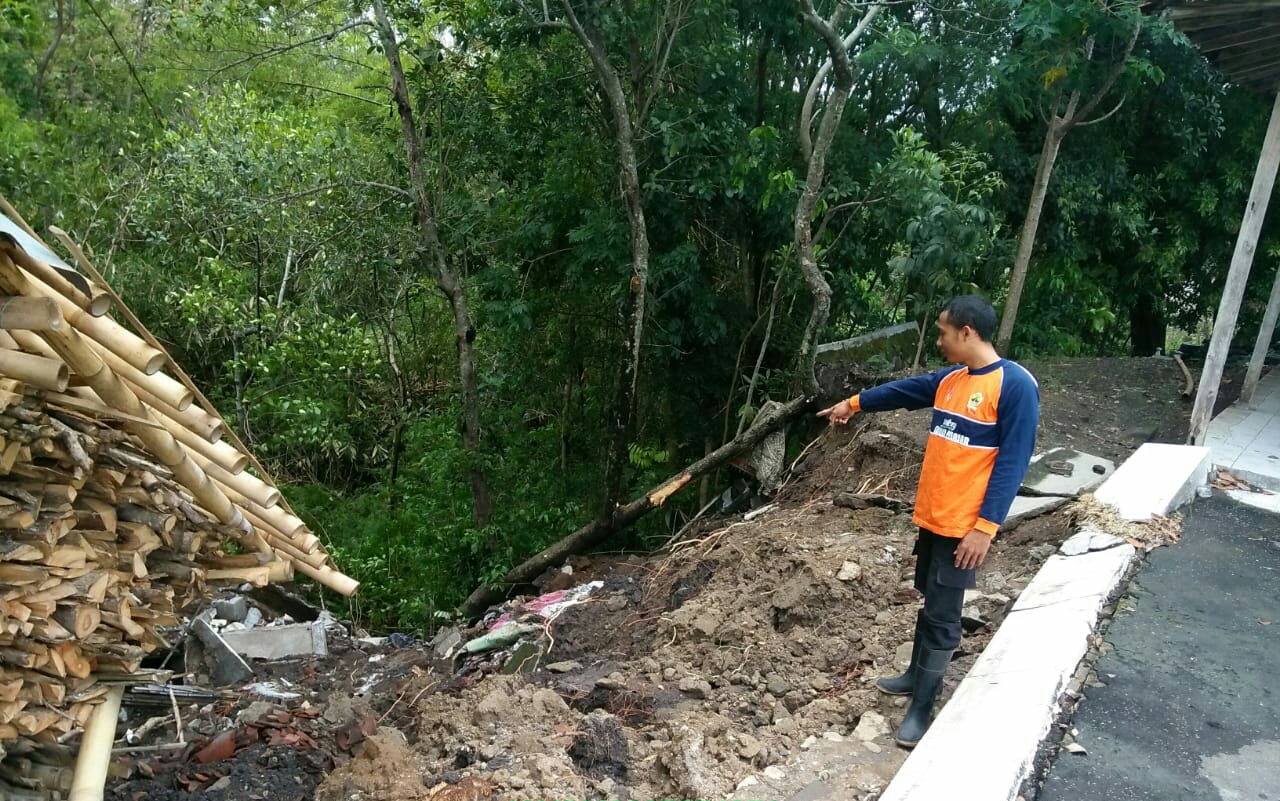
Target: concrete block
[279, 642]
[896, 344]
[228, 667]
[1260, 471]
[1068, 578]
[1156, 480]
[233, 609]
[1063, 471]
[1086, 540]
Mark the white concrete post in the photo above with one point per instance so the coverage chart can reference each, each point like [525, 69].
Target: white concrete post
[1224, 324]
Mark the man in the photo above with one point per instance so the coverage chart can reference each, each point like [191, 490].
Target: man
[985, 413]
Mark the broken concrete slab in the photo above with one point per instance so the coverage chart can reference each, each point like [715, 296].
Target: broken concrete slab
[1156, 480]
[1088, 539]
[1025, 508]
[279, 642]
[524, 659]
[895, 344]
[1064, 471]
[446, 642]
[1055, 477]
[227, 668]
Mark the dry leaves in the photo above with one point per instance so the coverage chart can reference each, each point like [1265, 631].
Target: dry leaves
[1089, 511]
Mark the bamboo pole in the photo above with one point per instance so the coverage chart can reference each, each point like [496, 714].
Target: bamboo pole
[304, 541]
[102, 330]
[237, 497]
[198, 421]
[147, 387]
[30, 314]
[94, 759]
[37, 371]
[338, 582]
[78, 253]
[97, 304]
[220, 453]
[193, 417]
[282, 545]
[247, 485]
[288, 524]
[82, 359]
[85, 400]
[12, 212]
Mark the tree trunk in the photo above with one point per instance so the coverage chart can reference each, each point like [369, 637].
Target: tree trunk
[624, 397]
[433, 253]
[598, 530]
[819, 290]
[1146, 325]
[1017, 279]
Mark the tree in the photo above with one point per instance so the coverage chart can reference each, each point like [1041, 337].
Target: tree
[1088, 47]
[626, 115]
[814, 152]
[437, 261]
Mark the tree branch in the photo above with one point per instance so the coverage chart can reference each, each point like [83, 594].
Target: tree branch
[281, 49]
[1112, 77]
[339, 92]
[119, 49]
[545, 21]
[662, 53]
[824, 28]
[1106, 116]
[64, 20]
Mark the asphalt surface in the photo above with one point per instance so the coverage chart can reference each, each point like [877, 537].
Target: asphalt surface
[1190, 709]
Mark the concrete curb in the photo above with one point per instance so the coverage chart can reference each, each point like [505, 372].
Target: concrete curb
[983, 744]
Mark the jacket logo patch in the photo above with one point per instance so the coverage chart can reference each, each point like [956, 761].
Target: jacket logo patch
[975, 400]
[947, 430]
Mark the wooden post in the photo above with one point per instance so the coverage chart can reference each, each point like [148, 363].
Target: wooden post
[1224, 324]
[1262, 345]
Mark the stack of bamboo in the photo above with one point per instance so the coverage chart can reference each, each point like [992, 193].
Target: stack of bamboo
[119, 498]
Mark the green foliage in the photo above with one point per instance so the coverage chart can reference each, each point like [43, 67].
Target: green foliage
[240, 174]
[422, 554]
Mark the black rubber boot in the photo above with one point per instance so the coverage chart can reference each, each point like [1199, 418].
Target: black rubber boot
[904, 684]
[929, 673]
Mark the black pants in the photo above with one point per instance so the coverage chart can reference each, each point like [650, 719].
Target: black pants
[943, 585]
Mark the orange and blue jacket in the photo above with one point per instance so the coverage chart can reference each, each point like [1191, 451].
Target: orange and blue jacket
[980, 441]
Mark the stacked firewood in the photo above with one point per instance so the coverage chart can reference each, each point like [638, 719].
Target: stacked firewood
[121, 507]
[100, 553]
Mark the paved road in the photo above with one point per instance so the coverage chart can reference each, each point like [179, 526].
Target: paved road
[1191, 706]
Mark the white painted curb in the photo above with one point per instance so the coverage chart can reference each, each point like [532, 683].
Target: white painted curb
[983, 744]
[1156, 479]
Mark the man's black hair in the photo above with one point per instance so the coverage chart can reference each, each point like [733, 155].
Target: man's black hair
[974, 311]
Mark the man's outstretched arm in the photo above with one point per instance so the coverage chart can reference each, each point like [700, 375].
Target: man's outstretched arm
[915, 392]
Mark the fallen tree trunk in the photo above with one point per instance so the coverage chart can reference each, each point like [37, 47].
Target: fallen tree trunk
[598, 530]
